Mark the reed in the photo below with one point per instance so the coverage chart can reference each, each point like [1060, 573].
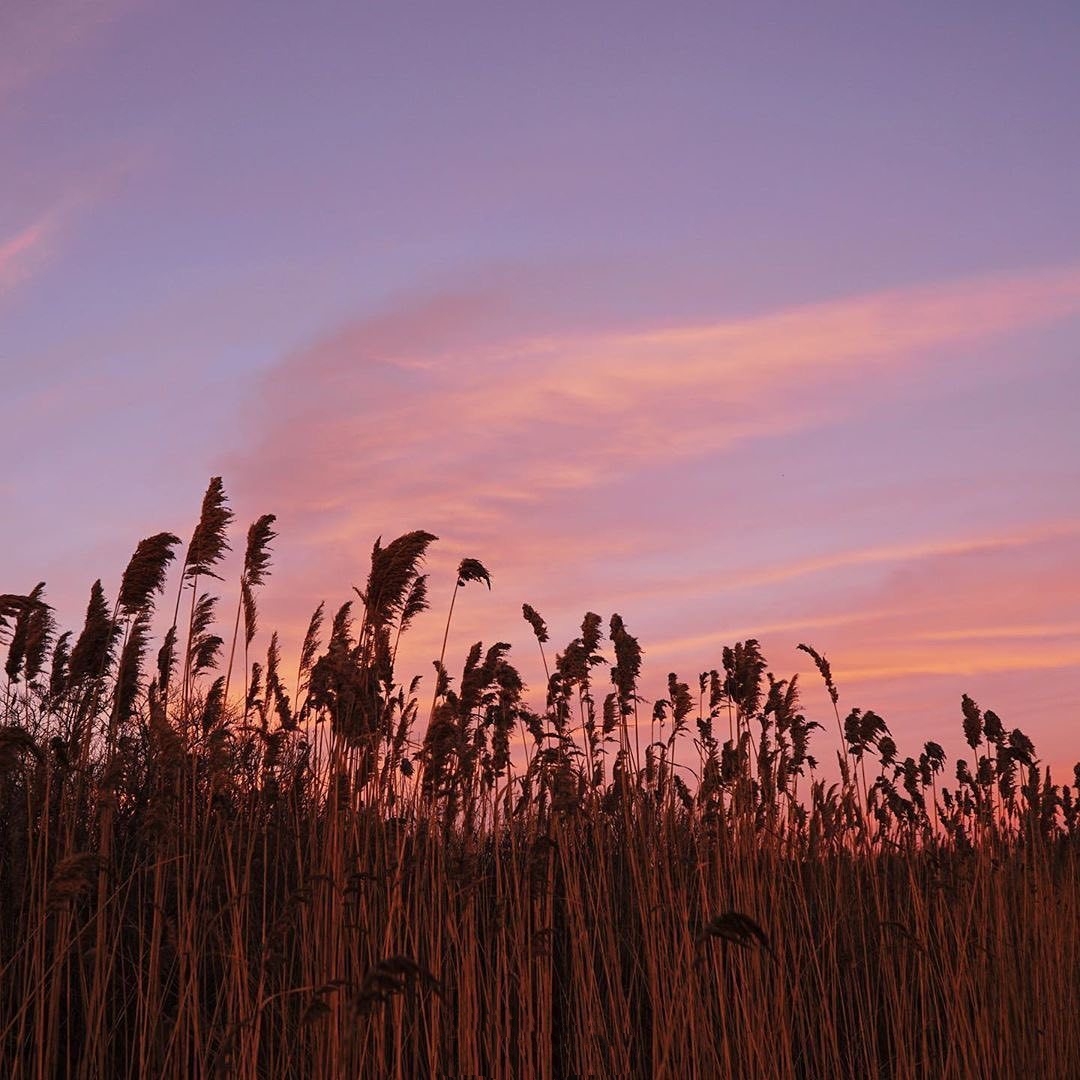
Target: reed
[300, 880]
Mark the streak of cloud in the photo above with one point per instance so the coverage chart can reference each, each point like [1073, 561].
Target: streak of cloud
[379, 416]
[36, 36]
[28, 250]
[20, 252]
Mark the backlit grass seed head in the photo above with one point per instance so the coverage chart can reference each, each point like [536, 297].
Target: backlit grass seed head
[1021, 747]
[972, 722]
[993, 728]
[166, 660]
[394, 570]
[681, 702]
[204, 647]
[341, 629]
[145, 573]
[627, 669]
[39, 634]
[129, 670]
[743, 666]
[251, 611]
[610, 714]
[310, 647]
[209, 541]
[30, 635]
[254, 689]
[93, 651]
[257, 552]
[473, 570]
[532, 617]
[213, 706]
[823, 667]
[415, 603]
[10, 606]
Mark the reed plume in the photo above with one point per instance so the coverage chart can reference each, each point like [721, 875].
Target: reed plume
[144, 577]
[209, 542]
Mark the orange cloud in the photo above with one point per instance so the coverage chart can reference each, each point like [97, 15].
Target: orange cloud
[756, 577]
[930, 601]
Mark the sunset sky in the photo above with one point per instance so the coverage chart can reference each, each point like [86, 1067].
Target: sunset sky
[737, 319]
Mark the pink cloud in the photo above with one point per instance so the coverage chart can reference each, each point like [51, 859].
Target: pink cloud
[19, 252]
[37, 35]
[24, 252]
[988, 616]
[476, 430]
[511, 448]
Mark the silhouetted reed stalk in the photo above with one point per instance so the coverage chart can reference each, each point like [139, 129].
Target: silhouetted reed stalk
[256, 566]
[468, 570]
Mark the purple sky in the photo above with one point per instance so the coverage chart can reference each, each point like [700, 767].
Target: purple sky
[736, 319]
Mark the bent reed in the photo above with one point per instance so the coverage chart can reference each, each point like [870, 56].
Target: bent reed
[212, 869]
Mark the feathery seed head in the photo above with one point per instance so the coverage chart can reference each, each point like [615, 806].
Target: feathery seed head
[93, 650]
[394, 570]
[473, 570]
[145, 573]
[823, 667]
[209, 541]
[972, 722]
[532, 617]
[257, 553]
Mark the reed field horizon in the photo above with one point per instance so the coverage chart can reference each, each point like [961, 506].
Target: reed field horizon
[216, 867]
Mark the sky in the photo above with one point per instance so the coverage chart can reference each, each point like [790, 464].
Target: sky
[740, 320]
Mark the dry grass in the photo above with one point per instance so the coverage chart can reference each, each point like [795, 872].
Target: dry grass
[302, 881]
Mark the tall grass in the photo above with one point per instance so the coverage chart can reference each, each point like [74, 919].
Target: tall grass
[296, 880]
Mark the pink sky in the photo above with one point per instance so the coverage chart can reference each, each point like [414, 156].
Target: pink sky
[733, 321]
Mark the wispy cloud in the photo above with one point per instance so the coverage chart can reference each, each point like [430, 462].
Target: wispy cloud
[881, 555]
[28, 249]
[37, 35]
[21, 251]
[381, 416]
[929, 608]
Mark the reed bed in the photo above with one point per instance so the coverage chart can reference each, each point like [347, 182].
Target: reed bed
[210, 869]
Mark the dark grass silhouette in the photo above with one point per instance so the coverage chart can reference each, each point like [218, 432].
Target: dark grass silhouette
[303, 881]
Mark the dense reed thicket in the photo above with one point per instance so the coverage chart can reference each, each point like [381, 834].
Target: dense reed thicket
[211, 870]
